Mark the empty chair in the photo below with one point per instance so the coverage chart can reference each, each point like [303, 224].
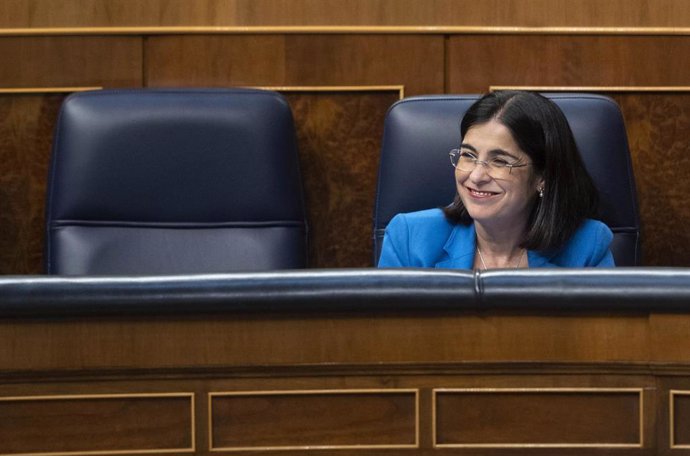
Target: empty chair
[174, 181]
[415, 172]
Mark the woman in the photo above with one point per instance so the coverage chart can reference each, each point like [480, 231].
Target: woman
[524, 198]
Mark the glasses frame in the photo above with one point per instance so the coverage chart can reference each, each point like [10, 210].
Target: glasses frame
[455, 154]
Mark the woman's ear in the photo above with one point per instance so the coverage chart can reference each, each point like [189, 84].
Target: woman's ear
[540, 187]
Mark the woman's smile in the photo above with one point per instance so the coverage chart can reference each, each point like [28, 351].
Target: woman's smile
[480, 194]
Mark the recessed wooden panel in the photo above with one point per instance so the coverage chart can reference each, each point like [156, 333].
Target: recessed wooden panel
[476, 62]
[658, 126]
[313, 419]
[339, 136]
[680, 419]
[70, 61]
[26, 132]
[416, 62]
[97, 424]
[518, 418]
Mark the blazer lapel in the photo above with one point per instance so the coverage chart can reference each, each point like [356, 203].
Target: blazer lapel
[459, 248]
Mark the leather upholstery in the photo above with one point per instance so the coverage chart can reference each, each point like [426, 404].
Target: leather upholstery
[367, 290]
[415, 171]
[174, 181]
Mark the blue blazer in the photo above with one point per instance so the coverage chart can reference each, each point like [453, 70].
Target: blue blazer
[426, 239]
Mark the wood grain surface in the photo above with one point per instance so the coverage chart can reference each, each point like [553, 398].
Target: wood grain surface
[531, 13]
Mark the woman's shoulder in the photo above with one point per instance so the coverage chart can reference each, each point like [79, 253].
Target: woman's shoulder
[422, 229]
[589, 246]
[428, 219]
[596, 230]
[416, 239]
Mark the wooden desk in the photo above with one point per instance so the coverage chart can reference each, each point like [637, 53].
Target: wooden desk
[421, 381]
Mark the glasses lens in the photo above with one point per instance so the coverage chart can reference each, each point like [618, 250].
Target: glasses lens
[466, 162]
[498, 171]
[454, 155]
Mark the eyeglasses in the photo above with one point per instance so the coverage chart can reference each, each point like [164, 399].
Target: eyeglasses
[497, 168]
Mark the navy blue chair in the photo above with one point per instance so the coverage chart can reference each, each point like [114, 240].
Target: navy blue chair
[415, 172]
[174, 181]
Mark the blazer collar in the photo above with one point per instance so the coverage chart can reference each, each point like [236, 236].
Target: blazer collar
[461, 245]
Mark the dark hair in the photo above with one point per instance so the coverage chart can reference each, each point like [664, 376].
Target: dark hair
[541, 130]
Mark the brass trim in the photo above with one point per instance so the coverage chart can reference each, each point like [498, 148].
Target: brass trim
[30, 90]
[311, 392]
[594, 88]
[346, 29]
[671, 421]
[435, 443]
[63, 397]
[373, 88]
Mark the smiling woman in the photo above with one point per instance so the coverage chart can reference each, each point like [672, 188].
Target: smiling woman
[524, 198]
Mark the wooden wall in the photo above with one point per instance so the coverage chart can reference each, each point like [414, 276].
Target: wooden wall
[341, 64]
[509, 13]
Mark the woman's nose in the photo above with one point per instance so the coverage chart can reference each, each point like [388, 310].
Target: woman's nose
[480, 173]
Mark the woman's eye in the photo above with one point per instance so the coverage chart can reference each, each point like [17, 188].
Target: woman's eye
[467, 156]
[499, 163]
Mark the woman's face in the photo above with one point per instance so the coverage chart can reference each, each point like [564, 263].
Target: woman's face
[502, 200]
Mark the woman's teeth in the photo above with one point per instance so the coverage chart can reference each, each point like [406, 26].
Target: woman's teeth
[478, 193]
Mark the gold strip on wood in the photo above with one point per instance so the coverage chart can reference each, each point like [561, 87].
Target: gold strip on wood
[594, 88]
[311, 392]
[63, 397]
[30, 90]
[672, 422]
[639, 391]
[346, 29]
[374, 88]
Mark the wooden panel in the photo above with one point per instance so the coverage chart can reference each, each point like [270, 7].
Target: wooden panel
[26, 131]
[337, 378]
[480, 61]
[467, 12]
[297, 60]
[267, 340]
[70, 61]
[339, 136]
[97, 424]
[39, 13]
[264, 353]
[255, 60]
[313, 420]
[670, 337]
[680, 419]
[658, 126]
[522, 418]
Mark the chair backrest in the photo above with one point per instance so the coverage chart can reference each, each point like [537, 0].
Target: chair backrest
[174, 181]
[415, 171]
